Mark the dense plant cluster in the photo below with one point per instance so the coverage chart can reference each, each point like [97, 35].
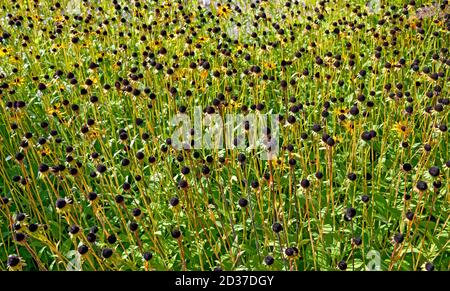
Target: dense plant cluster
[89, 179]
